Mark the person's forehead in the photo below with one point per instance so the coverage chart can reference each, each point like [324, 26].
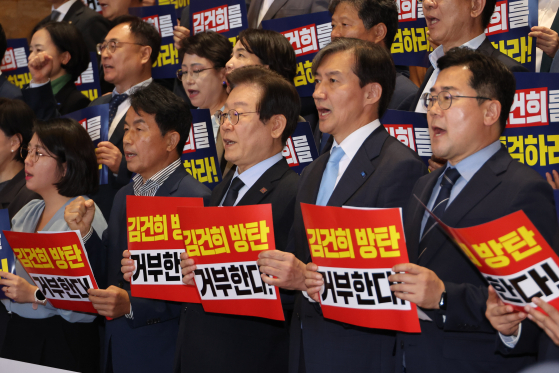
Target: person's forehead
[455, 76]
[345, 9]
[120, 32]
[341, 62]
[243, 94]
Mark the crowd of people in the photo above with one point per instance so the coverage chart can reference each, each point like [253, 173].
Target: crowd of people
[49, 181]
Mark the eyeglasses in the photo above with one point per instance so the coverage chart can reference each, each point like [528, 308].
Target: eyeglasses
[195, 74]
[231, 115]
[33, 152]
[444, 98]
[112, 45]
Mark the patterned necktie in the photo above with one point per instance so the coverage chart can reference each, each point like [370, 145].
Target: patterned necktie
[54, 15]
[116, 100]
[233, 192]
[329, 176]
[449, 178]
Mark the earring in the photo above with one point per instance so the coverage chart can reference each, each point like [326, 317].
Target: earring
[12, 150]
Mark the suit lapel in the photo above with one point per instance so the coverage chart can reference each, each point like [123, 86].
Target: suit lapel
[481, 184]
[265, 184]
[172, 183]
[360, 168]
[274, 8]
[253, 11]
[72, 16]
[118, 133]
[313, 179]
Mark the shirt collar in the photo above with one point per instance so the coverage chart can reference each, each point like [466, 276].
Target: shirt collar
[250, 176]
[159, 178]
[353, 142]
[439, 52]
[471, 164]
[135, 87]
[63, 9]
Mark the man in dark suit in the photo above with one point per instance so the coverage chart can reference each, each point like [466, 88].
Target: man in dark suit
[454, 23]
[263, 10]
[375, 21]
[467, 111]
[366, 167]
[260, 114]
[7, 89]
[91, 24]
[127, 54]
[157, 126]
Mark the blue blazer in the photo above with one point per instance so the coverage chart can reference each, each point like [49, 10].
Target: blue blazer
[146, 343]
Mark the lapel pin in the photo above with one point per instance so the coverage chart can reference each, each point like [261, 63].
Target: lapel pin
[363, 174]
[263, 190]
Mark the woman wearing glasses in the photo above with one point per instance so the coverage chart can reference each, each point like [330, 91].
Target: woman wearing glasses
[60, 165]
[62, 47]
[202, 72]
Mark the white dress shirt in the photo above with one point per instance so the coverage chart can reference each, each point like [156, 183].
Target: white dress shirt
[63, 9]
[546, 14]
[434, 57]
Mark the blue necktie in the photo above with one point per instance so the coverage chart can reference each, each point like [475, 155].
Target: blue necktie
[449, 179]
[329, 176]
[115, 102]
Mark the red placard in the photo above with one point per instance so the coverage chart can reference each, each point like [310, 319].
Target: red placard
[155, 242]
[513, 257]
[355, 250]
[59, 266]
[225, 243]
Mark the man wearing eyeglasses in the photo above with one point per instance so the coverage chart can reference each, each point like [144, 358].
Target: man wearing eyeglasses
[467, 109]
[127, 54]
[259, 116]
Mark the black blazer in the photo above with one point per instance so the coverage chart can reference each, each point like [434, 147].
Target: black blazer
[69, 99]
[146, 343]
[241, 343]
[533, 341]
[8, 90]
[381, 174]
[465, 342]
[486, 48]
[15, 195]
[92, 25]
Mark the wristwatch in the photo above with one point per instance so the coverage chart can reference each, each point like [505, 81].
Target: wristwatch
[442, 302]
[40, 297]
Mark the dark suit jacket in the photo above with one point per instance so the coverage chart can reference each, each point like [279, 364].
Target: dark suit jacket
[240, 343]
[466, 341]
[381, 174]
[146, 343]
[404, 93]
[15, 195]
[69, 99]
[8, 90]
[284, 8]
[92, 25]
[486, 48]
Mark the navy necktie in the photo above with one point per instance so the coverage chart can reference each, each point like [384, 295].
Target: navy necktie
[233, 192]
[449, 179]
[54, 15]
[116, 100]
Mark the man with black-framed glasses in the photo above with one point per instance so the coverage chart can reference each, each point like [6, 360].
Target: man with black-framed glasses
[467, 109]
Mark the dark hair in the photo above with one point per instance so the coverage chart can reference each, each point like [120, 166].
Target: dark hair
[67, 38]
[272, 48]
[16, 118]
[68, 142]
[3, 42]
[373, 64]
[209, 45]
[373, 12]
[490, 77]
[143, 32]
[277, 95]
[171, 113]
[487, 12]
